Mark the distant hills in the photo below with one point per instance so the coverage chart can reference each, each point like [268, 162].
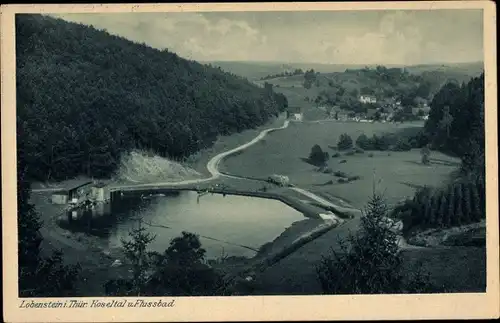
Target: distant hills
[84, 97]
[257, 70]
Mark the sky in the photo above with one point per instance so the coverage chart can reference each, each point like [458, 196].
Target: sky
[334, 37]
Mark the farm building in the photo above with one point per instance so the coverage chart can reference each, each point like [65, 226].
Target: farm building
[77, 190]
[100, 192]
[294, 113]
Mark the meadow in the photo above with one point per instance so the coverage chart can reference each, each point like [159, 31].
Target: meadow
[397, 174]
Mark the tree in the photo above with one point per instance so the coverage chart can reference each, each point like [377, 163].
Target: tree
[38, 276]
[425, 153]
[136, 252]
[446, 123]
[318, 156]
[450, 212]
[467, 206]
[364, 142]
[345, 142]
[181, 269]
[428, 212]
[458, 217]
[370, 262]
[442, 211]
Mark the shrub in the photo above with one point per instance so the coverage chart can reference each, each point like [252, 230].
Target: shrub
[343, 161]
[370, 155]
[345, 142]
[402, 145]
[337, 154]
[340, 174]
[327, 170]
[358, 150]
[343, 180]
[353, 178]
[350, 153]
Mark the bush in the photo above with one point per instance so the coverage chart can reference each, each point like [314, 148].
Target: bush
[343, 180]
[327, 170]
[350, 153]
[337, 154]
[318, 156]
[402, 145]
[370, 155]
[353, 178]
[343, 161]
[358, 150]
[345, 142]
[340, 174]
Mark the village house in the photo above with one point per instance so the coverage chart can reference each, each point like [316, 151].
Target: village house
[294, 113]
[339, 114]
[367, 99]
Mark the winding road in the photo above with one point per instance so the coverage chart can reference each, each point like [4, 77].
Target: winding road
[213, 169]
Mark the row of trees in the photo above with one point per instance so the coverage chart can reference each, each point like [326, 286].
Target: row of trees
[456, 204]
[297, 71]
[85, 96]
[310, 77]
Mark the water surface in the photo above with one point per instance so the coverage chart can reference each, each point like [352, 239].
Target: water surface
[231, 225]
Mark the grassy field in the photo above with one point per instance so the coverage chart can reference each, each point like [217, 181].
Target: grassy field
[283, 152]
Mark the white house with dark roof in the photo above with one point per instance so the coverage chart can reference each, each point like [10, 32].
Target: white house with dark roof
[367, 99]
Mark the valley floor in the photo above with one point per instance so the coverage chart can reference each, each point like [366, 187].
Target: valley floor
[457, 268]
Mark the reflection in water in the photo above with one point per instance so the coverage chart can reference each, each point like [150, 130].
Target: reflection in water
[230, 225]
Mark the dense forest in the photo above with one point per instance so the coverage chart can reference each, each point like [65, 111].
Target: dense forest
[85, 96]
[456, 120]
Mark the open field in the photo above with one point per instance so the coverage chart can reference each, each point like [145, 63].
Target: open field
[283, 153]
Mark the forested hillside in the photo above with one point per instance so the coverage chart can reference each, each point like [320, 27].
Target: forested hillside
[455, 125]
[85, 96]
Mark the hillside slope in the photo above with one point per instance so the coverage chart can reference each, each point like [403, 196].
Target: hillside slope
[84, 97]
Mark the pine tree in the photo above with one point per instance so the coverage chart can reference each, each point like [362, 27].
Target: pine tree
[136, 252]
[466, 202]
[476, 203]
[428, 212]
[458, 217]
[443, 203]
[450, 210]
[372, 264]
[434, 209]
